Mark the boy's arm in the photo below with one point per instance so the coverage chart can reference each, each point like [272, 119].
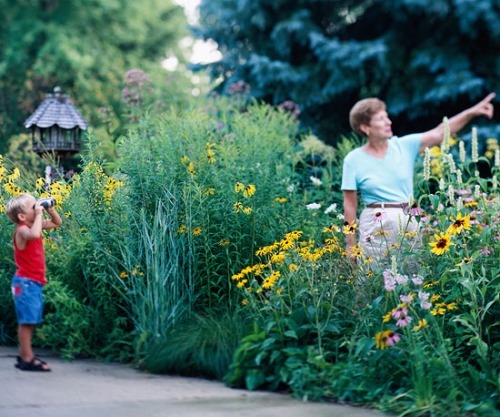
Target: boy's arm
[26, 233]
[54, 221]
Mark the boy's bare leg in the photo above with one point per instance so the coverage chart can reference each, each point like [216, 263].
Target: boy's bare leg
[25, 333]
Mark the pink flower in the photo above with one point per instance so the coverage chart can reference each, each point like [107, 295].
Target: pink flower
[404, 321]
[400, 313]
[379, 216]
[415, 210]
[406, 298]
[392, 339]
[389, 280]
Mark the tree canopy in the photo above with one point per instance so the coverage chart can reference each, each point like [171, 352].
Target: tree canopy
[84, 46]
[426, 59]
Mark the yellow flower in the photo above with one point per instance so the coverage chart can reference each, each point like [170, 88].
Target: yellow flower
[355, 251]
[331, 229]
[242, 283]
[249, 191]
[278, 258]
[237, 207]
[387, 317]
[470, 204]
[422, 324]
[459, 223]
[442, 243]
[40, 183]
[239, 186]
[197, 231]
[224, 242]
[123, 275]
[350, 228]
[293, 267]
[438, 311]
[211, 156]
[238, 276]
[464, 261]
[190, 168]
[209, 191]
[247, 210]
[280, 200]
[185, 160]
[182, 229]
[271, 280]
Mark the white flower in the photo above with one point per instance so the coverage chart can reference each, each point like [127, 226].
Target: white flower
[313, 206]
[315, 180]
[417, 279]
[331, 207]
[291, 188]
[425, 305]
[340, 216]
[401, 279]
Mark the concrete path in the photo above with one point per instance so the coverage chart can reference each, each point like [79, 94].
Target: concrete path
[85, 388]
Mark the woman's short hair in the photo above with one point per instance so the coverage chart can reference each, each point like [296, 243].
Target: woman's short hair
[363, 111]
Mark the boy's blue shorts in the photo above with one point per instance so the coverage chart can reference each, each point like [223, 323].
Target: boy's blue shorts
[28, 300]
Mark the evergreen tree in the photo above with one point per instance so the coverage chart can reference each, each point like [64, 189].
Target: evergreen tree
[426, 59]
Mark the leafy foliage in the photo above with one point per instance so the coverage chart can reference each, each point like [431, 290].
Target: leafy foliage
[84, 47]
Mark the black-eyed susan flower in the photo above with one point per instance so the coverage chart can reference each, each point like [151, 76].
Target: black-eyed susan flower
[249, 191]
[197, 231]
[441, 244]
[239, 186]
[459, 223]
[237, 207]
[350, 228]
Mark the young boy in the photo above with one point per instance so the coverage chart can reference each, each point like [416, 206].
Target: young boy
[29, 278]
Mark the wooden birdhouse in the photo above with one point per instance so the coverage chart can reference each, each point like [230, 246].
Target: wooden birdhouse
[56, 126]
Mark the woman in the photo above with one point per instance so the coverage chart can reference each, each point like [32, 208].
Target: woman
[382, 171]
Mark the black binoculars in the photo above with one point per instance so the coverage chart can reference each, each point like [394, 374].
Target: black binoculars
[46, 202]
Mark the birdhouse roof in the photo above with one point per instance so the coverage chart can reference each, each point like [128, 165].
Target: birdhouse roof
[56, 109]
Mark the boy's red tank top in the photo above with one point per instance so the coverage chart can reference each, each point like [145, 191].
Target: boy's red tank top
[30, 261]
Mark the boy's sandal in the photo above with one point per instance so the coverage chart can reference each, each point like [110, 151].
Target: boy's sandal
[36, 364]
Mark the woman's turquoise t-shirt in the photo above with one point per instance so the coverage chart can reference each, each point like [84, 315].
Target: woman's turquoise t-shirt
[389, 179]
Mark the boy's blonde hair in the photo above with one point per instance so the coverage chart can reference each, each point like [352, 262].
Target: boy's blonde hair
[14, 206]
[363, 111]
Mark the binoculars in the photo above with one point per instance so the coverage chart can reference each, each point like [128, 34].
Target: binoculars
[46, 202]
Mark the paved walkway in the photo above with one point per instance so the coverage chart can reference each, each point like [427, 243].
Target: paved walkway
[85, 388]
